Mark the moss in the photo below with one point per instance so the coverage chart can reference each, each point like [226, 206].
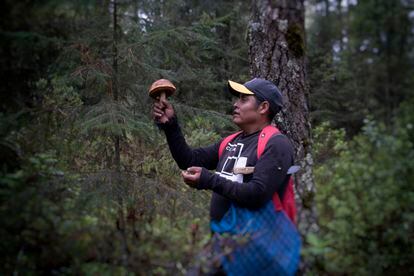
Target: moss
[306, 142]
[296, 40]
[308, 199]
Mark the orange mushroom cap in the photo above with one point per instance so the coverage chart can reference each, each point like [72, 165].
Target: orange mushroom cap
[161, 85]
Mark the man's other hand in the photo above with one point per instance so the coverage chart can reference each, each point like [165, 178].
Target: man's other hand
[162, 111]
[192, 176]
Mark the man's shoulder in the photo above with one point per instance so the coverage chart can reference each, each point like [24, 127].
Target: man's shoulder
[280, 141]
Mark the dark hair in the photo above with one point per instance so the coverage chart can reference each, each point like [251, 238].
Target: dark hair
[271, 114]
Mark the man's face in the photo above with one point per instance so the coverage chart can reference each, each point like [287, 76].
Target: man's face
[245, 110]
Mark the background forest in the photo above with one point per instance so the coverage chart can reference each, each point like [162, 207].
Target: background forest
[87, 184]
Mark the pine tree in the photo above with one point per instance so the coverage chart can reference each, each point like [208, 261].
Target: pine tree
[361, 64]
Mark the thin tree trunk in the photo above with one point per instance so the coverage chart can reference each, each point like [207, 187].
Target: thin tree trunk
[277, 53]
[341, 25]
[121, 223]
[115, 80]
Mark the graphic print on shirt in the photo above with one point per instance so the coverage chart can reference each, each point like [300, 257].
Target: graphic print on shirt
[233, 160]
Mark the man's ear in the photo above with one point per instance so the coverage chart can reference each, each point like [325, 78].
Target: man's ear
[264, 107]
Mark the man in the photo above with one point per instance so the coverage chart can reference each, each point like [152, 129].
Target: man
[258, 102]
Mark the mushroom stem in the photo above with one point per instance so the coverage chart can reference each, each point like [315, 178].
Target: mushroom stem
[162, 96]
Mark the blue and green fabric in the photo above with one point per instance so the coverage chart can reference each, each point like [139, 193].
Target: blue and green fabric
[259, 242]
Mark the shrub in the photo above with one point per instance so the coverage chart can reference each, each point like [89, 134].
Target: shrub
[365, 201]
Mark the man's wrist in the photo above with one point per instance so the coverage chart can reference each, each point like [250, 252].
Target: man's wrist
[204, 181]
[170, 124]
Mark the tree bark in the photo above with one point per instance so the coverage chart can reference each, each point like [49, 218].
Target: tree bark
[115, 79]
[276, 38]
[121, 223]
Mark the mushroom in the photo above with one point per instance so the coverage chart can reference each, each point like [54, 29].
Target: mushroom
[161, 88]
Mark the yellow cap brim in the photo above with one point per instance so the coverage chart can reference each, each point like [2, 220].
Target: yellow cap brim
[236, 88]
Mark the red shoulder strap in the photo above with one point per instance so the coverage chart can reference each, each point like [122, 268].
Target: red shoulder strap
[288, 202]
[264, 137]
[225, 141]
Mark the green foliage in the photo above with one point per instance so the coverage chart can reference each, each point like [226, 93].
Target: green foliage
[76, 99]
[365, 200]
[360, 61]
[63, 223]
[328, 142]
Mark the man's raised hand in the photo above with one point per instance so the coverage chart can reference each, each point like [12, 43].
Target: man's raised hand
[162, 111]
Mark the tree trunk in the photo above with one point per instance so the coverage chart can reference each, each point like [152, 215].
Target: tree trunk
[276, 39]
[115, 79]
[121, 223]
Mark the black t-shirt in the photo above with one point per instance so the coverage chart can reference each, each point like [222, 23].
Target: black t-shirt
[251, 190]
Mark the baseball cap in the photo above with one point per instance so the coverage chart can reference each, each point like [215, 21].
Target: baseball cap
[264, 90]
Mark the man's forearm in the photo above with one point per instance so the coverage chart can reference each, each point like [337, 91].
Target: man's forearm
[183, 154]
[179, 149]
[252, 194]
